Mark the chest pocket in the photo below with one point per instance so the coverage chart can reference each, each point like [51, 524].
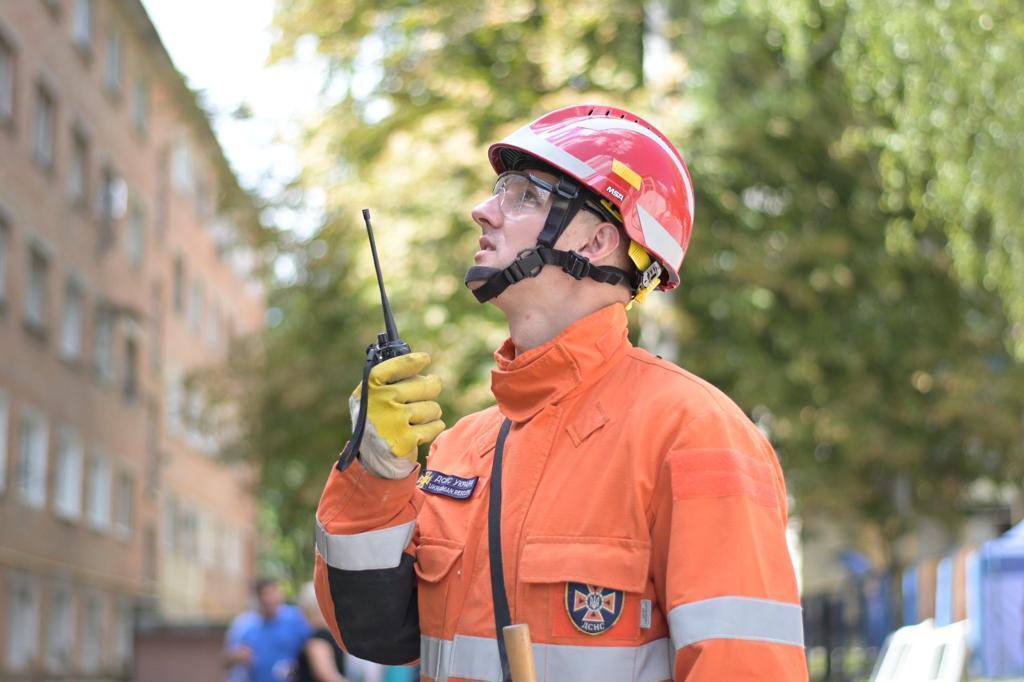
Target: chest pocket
[589, 588]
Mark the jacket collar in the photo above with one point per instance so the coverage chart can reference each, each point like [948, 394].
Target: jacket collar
[523, 385]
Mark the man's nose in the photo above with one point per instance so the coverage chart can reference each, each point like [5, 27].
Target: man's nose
[487, 213]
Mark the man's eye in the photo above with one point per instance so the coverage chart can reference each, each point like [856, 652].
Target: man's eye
[532, 197]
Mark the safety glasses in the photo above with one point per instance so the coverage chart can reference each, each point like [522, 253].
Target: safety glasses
[521, 193]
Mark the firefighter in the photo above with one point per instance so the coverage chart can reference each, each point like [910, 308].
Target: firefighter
[625, 509]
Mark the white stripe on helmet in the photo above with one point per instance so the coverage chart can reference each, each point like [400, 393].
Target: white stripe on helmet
[600, 123]
[659, 239]
[526, 139]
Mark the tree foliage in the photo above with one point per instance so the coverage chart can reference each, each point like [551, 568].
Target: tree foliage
[821, 290]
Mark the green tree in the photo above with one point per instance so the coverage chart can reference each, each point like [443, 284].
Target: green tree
[942, 90]
[885, 384]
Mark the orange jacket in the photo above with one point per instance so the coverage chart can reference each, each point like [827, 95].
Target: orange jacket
[643, 523]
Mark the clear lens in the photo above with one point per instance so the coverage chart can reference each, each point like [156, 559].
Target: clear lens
[519, 194]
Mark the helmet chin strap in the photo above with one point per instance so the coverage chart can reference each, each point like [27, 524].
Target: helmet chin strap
[567, 201]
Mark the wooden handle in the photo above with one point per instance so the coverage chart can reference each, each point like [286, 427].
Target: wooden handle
[520, 653]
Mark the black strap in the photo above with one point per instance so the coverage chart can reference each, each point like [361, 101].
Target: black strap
[502, 615]
[351, 450]
[566, 201]
[529, 262]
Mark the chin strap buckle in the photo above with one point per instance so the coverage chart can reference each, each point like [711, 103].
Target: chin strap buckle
[528, 263]
[576, 265]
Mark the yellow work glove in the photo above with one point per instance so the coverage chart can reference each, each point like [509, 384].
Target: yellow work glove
[401, 414]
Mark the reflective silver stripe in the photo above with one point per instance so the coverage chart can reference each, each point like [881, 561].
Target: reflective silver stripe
[762, 620]
[598, 123]
[435, 656]
[525, 138]
[658, 238]
[364, 551]
[476, 658]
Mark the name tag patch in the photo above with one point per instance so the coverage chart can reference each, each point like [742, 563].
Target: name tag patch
[449, 485]
[593, 609]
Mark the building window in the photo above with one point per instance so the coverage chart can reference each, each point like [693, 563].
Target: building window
[68, 474]
[156, 324]
[37, 291]
[213, 326]
[6, 81]
[97, 504]
[169, 525]
[4, 421]
[202, 197]
[121, 646]
[130, 388]
[207, 540]
[33, 442]
[125, 504]
[22, 622]
[103, 342]
[140, 105]
[81, 25]
[181, 168]
[5, 249]
[188, 532]
[195, 308]
[232, 551]
[152, 446]
[113, 203]
[175, 401]
[149, 554]
[78, 173]
[91, 656]
[162, 192]
[72, 322]
[106, 196]
[43, 128]
[60, 630]
[112, 71]
[135, 239]
[179, 285]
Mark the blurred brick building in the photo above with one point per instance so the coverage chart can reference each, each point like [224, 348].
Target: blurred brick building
[122, 270]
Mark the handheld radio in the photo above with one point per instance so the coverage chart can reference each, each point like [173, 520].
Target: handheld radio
[389, 345]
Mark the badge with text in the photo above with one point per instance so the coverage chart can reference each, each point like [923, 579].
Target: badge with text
[593, 609]
[449, 485]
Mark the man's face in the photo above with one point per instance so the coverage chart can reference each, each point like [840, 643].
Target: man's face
[511, 219]
[270, 598]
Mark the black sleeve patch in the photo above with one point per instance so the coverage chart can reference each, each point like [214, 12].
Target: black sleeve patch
[377, 614]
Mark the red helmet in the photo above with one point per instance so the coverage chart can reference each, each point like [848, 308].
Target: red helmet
[624, 160]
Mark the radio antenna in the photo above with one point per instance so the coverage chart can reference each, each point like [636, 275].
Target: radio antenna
[389, 320]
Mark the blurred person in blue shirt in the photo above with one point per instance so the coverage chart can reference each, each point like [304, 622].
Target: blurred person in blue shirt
[269, 645]
[237, 656]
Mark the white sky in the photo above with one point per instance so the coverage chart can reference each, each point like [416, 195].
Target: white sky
[221, 46]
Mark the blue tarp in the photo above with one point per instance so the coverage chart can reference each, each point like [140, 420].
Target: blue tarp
[1000, 613]
[910, 610]
[944, 591]
[878, 611]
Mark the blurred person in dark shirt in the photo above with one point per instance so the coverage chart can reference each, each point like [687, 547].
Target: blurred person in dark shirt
[321, 659]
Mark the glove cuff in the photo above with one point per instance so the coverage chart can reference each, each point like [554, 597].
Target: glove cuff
[374, 452]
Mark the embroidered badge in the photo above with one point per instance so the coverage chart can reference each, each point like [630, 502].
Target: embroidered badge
[448, 485]
[593, 609]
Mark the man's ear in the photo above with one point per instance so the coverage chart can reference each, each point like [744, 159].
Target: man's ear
[604, 240]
